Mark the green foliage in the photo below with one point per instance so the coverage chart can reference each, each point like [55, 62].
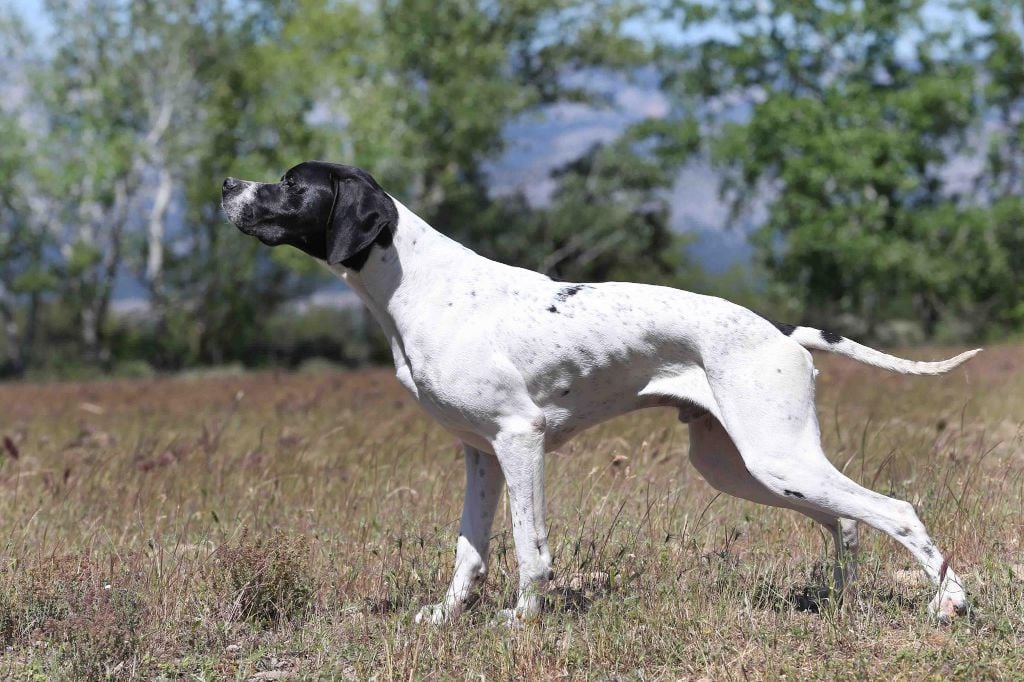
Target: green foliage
[839, 123]
[608, 220]
[847, 139]
[218, 290]
[432, 88]
[418, 92]
[346, 337]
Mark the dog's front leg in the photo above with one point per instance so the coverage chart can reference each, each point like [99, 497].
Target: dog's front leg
[483, 489]
[521, 455]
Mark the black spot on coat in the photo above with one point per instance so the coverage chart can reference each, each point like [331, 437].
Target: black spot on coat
[563, 295]
[793, 493]
[783, 327]
[552, 309]
[830, 337]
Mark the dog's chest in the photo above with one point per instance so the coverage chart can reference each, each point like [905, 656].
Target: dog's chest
[457, 385]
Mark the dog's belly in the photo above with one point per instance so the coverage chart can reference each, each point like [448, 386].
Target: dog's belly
[594, 399]
[561, 425]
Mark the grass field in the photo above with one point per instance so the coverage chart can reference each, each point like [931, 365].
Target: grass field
[279, 526]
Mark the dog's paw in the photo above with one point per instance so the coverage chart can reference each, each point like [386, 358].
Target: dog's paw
[432, 614]
[945, 607]
[515, 618]
[506, 618]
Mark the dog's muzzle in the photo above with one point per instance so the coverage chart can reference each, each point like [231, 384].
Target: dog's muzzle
[233, 199]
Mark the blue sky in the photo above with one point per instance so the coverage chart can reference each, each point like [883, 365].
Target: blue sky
[33, 13]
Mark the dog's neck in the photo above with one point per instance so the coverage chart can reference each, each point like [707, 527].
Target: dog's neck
[417, 250]
[394, 278]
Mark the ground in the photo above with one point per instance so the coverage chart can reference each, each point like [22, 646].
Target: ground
[278, 526]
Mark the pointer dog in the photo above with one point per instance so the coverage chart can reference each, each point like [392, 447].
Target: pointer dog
[516, 364]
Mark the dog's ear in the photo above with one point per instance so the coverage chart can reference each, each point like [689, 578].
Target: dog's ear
[362, 211]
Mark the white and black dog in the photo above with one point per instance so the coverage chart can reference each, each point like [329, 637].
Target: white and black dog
[515, 364]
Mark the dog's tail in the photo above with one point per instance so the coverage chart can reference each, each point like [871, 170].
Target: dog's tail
[809, 337]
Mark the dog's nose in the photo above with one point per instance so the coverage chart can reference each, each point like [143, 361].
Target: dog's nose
[230, 184]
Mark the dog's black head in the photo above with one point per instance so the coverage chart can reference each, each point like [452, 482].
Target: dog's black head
[332, 212]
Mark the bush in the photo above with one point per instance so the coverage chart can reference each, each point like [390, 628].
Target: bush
[342, 336]
[266, 581]
[93, 620]
[134, 369]
[101, 631]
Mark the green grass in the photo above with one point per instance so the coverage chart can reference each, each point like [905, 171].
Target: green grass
[226, 526]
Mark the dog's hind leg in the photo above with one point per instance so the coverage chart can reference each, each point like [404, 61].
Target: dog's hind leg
[816, 484]
[769, 414]
[716, 458]
[483, 490]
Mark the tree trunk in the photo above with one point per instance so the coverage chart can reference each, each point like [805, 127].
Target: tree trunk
[28, 339]
[155, 231]
[89, 329]
[15, 363]
[96, 311]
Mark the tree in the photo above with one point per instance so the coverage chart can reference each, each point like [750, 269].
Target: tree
[843, 117]
[423, 91]
[217, 289]
[998, 197]
[608, 219]
[139, 109]
[131, 104]
[24, 211]
[23, 277]
[100, 98]
[90, 124]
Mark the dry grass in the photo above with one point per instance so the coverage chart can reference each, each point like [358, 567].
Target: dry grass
[277, 525]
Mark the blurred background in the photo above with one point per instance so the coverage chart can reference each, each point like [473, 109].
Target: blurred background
[856, 165]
